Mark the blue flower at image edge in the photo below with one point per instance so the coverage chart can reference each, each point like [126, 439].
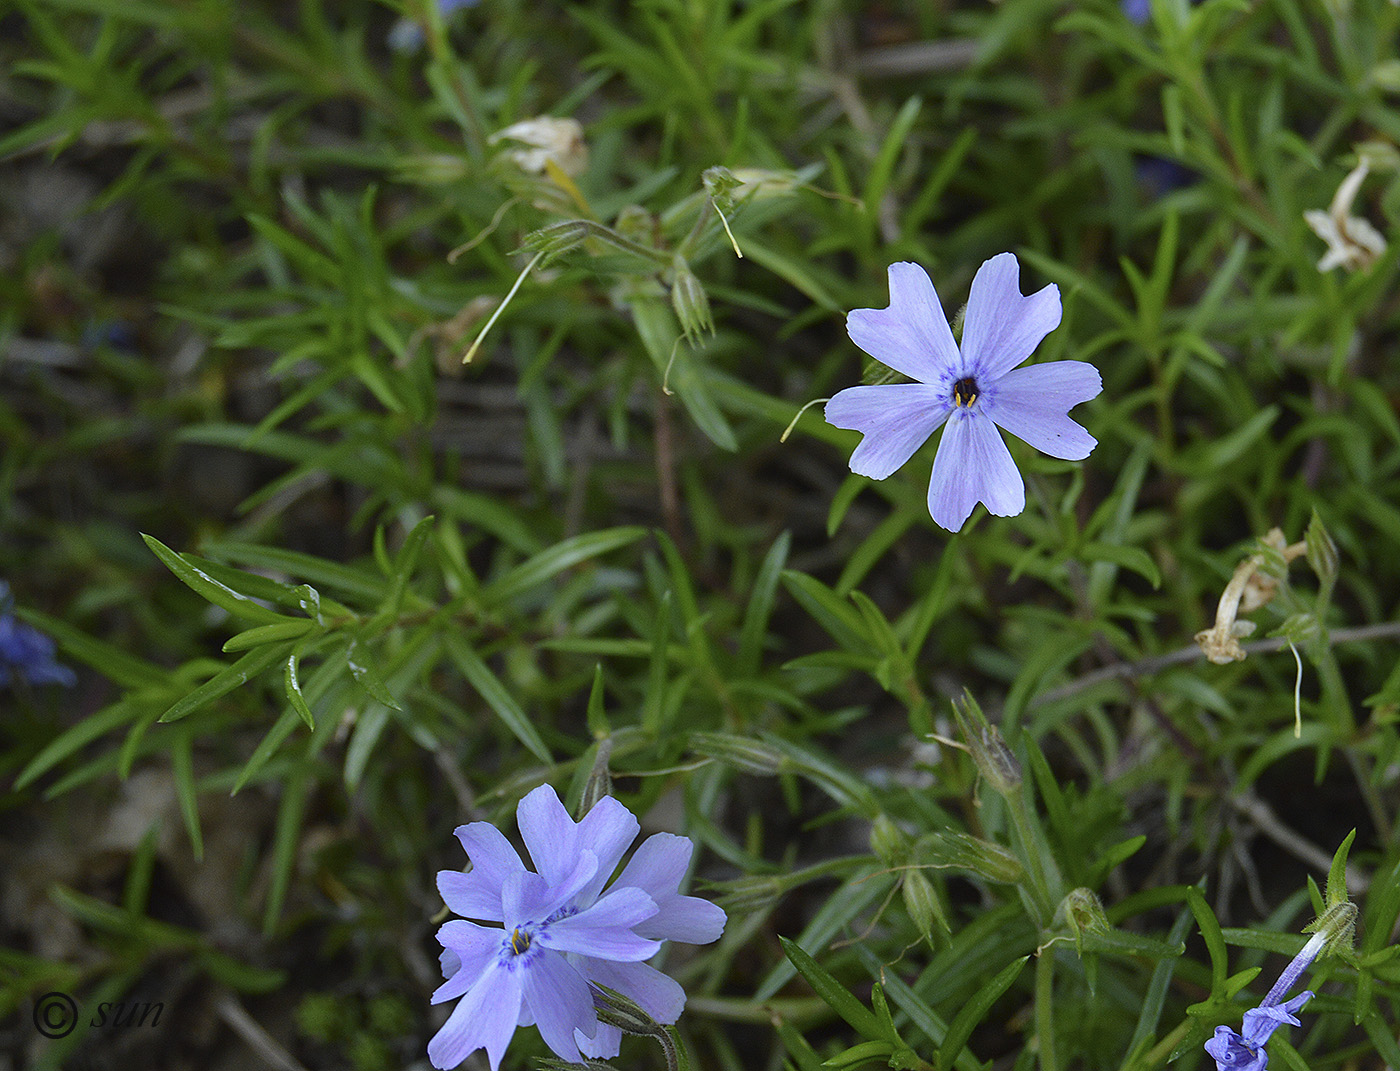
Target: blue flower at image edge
[560, 930]
[25, 652]
[973, 390]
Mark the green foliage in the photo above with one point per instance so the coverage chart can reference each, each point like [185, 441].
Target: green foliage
[376, 463]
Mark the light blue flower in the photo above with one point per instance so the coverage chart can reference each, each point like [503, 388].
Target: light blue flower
[973, 390]
[1245, 1051]
[561, 930]
[25, 652]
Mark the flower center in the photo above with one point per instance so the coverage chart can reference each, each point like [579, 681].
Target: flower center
[965, 392]
[520, 941]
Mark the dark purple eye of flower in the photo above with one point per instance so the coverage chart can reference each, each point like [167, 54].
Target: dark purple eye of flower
[965, 392]
[519, 942]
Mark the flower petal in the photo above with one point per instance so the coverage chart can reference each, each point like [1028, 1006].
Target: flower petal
[657, 868]
[1003, 328]
[973, 465]
[473, 947]
[659, 995]
[606, 830]
[605, 929]
[483, 1019]
[912, 335]
[559, 998]
[896, 419]
[528, 899]
[549, 833]
[1232, 1053]
[477, 893]
[1033, 404]
[603, 1045]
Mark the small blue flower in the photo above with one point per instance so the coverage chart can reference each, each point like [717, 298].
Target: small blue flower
[561, 930]
[974, 390]
[1138, 11]
[407, 35]
[26, 652]
[1235, 1051]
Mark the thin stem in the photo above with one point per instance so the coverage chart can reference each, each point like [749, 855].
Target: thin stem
[1044, 1012]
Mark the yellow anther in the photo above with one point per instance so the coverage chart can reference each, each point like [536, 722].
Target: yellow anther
[519, 942]
[965, 392]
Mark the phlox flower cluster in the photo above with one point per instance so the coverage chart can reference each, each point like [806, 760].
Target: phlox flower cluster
[973, 389]
[560, 929]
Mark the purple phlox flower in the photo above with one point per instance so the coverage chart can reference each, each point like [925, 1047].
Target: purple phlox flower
[25, 652]
[1245, 1051]
[974, 389]
[561, 930]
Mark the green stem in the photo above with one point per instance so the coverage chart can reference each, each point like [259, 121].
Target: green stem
[1044, 1013]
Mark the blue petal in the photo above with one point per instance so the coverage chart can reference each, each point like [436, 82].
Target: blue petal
[912, 335]
[559, 998]
[1002, 327]
[973, 465]
[1033, 403]
[896, 419]
[483, 1019]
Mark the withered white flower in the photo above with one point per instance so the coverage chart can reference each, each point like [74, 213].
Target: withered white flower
[550, 139]
[1352, 242]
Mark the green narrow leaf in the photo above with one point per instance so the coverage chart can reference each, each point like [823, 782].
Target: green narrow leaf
[597, 715]
[883, 168]
[182, 758]
[1214, 939]
[286, 840]
[837, 997]
[654, 701]
[367, 676]
[261, 634]
[966, 1021]
[535, 570]
[405, 562]
[490, 688]
[760, 606]
[212, 590]
[131, 673]
[86, 731]
[292, 687]
[226, 680]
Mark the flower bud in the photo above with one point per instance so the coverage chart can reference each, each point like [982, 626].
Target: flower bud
[961, 851]
[741, 752]
[888, 842]
[558, 238]
[689, 300]
[922, 903]
[993, 758]
[1322, 554]
[1083, 913]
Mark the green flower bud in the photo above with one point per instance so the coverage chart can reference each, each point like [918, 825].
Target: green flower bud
[689, 300]
[741, 752]
[888, 842]
[922, 903]
[993, 758]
